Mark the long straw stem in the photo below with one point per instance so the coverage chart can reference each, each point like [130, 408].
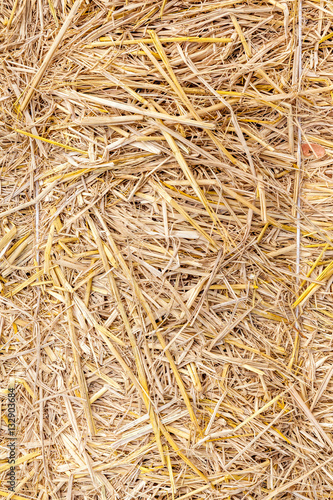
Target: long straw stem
[299, 155]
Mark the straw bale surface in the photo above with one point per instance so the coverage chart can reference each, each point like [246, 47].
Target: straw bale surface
[166, 255]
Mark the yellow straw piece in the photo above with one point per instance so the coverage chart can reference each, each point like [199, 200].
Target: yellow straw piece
[107, 42]
[49, 141]
[21, 460]
[324, 275]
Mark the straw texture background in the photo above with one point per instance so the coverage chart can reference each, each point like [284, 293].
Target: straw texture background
[166, 254]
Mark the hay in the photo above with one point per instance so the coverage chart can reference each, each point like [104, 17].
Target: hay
[166, 249]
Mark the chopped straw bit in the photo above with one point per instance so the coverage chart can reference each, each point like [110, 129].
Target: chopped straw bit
[166, 249]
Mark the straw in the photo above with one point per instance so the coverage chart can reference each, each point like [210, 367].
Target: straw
[166, 249]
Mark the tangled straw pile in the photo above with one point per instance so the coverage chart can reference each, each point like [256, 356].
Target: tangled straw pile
[161, 340]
